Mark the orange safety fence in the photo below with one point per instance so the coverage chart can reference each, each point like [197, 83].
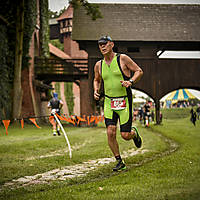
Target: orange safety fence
[34, 121]
[6, 124]
[52, 120]
[22, 123]
[75, 120]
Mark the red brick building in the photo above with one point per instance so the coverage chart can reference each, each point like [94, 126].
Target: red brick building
[71, 48]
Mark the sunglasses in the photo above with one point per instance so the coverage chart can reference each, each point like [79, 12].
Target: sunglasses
[103, 43]
[104, 40]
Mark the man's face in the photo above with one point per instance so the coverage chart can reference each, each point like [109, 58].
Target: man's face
[106, 47]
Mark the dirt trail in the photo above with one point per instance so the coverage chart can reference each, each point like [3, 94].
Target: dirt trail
[68, 172]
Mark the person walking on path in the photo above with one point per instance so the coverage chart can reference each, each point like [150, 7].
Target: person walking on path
[55, 105]
[193, 116]
[115, 73]
[198, 111]
[146, 113]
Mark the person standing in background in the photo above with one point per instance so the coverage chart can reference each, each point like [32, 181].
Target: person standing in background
[55, 105]
[193, 116]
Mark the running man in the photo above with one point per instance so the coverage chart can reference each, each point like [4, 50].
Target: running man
[55, 105]
[115, 72]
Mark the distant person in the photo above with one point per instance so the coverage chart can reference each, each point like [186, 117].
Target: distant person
[55, 105]
[115, 72]
[193, 116]
[140, 113]
[161, 116]
[198, 112]
[152, 115]
[146, 113]
[135, 114]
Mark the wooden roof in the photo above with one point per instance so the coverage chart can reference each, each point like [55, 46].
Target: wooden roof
[68, 13]
[140, 22]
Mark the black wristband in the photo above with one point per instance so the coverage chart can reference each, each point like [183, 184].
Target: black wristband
[132, 81]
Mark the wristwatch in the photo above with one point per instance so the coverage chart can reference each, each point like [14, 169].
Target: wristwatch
[132, 81]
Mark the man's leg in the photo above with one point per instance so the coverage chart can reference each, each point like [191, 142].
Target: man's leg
[113, 144]
[133, 134]
[112, 141]
[58, 129]
[54, 128]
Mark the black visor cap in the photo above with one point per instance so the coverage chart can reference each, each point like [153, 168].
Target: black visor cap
[104, 40]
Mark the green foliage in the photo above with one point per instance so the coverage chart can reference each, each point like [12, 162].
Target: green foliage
[29, 27]
[7, 49]
[55, 14]
[69, 97]
[57, 44]
[92, 9]
[175, 113]
[5, 84]
[57, 88]
[7, 55]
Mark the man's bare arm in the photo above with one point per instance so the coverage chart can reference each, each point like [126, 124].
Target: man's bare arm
[97, 80]
[130, 65]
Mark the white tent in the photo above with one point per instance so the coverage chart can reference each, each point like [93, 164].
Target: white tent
[139, 100]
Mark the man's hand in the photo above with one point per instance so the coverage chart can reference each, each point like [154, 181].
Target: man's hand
[126, 83]
[96, 95]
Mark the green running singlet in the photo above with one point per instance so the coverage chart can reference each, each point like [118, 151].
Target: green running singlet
[111, 75]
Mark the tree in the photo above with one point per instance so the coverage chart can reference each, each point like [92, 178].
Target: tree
[92, 9]
[17, 87]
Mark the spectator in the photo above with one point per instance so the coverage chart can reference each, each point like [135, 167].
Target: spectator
[198, 112]
[193, 116]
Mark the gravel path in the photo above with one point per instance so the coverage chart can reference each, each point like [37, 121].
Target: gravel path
[68, 172]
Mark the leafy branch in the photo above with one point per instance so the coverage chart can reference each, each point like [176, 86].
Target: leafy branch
[92, 9]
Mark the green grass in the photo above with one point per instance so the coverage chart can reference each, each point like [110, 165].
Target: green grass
[176, 113]
[154, 175]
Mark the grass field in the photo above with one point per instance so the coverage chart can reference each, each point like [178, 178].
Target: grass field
[166, 168]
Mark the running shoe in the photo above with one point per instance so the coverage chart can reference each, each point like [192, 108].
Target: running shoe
[54, 132]
[120, 166]
[58, 132]
[137, 138]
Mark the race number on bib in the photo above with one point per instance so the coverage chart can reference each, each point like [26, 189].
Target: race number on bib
[118, 104]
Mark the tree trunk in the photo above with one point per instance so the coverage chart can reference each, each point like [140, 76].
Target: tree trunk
[17, 88]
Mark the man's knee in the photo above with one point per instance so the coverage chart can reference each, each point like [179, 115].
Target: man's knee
[111, 130]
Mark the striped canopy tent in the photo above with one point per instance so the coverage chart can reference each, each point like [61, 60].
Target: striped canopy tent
[180, 95]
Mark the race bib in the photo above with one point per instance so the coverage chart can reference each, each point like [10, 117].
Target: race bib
[118, 104]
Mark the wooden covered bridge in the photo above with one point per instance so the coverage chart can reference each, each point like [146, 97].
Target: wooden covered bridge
[140, 31]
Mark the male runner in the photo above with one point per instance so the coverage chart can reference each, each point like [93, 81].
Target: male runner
[115, 72]
[55, 105]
